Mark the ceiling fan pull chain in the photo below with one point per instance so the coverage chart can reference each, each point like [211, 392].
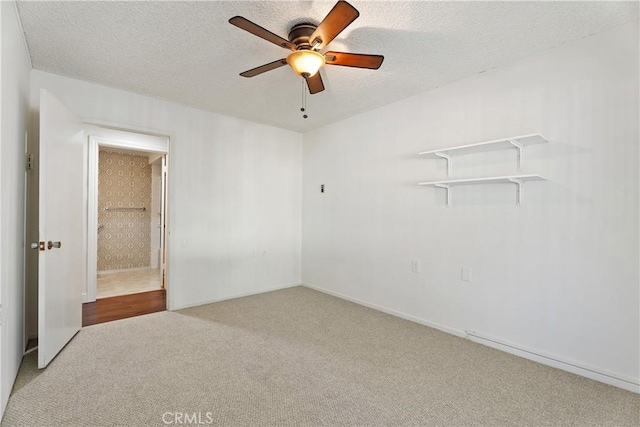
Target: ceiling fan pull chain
[304, 99]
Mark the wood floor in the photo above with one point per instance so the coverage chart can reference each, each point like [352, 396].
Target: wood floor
[121, 307]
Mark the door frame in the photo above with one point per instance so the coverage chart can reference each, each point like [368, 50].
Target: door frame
[99, 136]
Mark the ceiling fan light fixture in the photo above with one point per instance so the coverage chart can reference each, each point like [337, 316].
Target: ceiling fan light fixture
[305, 63]
[306, 40]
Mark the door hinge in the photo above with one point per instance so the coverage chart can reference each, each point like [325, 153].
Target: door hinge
[29, 162]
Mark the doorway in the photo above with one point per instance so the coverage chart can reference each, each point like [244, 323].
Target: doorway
[129, 231]
[126, 224]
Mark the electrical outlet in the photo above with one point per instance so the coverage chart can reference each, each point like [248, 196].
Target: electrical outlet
[465, 274]
[415, 265]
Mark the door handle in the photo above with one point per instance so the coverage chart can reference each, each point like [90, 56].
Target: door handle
[37, 245]
[51, 244]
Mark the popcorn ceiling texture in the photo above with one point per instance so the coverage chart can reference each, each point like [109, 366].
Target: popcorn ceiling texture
[124, 182]
[188, 53]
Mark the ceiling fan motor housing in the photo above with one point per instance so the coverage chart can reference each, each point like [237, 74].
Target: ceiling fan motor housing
[300, 33]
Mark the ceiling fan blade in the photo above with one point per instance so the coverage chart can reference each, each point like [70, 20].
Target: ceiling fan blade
[315, 83]
[264, 68]
[357, 60]
[257, 30]
[337, 20]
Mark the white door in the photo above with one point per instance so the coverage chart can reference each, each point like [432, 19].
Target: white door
[61, 258]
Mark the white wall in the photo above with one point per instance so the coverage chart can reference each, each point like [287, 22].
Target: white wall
[558, 275]
[15, 67]
[234, 189]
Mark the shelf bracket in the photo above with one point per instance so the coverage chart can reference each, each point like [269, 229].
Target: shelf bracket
[448, 188]
[447, 158]
[520, 184]
[520, 149]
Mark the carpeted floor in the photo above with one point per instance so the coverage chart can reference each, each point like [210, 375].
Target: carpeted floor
[299, 357]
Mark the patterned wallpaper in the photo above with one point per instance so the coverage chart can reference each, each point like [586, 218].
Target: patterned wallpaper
[124, 183]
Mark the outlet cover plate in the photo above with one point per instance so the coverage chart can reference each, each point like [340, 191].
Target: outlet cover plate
[415, 265]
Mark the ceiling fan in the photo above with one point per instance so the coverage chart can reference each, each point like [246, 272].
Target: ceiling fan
[306, 40]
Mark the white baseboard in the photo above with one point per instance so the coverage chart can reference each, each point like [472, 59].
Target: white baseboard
[230, 297]
[577, 368]
[31, 350]
[405, 316]
[574, 367]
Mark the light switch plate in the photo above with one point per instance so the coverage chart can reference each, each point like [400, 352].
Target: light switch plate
[465, 275]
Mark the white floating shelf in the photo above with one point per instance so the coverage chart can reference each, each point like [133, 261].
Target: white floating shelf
[519, 180]
[489, 180]
[517, 142]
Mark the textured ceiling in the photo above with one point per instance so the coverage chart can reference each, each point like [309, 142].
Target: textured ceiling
[188, 53]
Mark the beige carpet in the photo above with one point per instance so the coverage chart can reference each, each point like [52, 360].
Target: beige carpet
[299, 357]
